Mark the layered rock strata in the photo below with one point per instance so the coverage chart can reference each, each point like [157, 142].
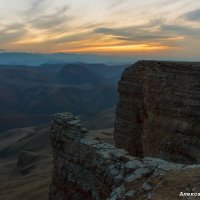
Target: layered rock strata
[85, 168]
[158, 113]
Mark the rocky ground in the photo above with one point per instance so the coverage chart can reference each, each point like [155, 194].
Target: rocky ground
[85, 167]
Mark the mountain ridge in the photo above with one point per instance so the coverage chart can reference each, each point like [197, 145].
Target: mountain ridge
[28, 93]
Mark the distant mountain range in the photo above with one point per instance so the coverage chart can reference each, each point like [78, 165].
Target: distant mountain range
[30, 95]
[34, 59]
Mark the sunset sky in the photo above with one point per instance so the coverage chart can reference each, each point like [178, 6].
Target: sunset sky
[168, 28]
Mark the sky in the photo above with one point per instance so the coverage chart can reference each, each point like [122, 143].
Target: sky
[161, 28]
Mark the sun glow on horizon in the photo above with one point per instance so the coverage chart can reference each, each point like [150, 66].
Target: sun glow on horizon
[117, 49]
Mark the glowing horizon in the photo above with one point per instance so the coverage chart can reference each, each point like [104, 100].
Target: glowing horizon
[156, 27]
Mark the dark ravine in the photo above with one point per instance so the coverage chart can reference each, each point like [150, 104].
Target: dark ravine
[158, 112]
[153, 120]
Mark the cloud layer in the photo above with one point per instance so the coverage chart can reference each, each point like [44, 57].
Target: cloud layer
[131, 27]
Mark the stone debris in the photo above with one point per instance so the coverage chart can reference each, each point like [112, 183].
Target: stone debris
[146, 187]
[130, 194]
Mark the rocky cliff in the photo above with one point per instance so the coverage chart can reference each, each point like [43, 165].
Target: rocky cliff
[158, 115]
[158, 112]
[88, 169]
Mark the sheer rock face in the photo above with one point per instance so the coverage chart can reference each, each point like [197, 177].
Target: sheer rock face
[158, 112]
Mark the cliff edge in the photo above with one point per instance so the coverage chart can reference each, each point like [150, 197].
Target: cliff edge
[158, 113]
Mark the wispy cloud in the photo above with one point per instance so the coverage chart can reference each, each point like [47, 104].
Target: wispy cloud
[36, 5]
[182, 30]
[192, 15]
[12, 33]
[142, 33]
[50, 21]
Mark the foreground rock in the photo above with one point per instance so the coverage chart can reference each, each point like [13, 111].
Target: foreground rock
[85, 168]
[158, 113]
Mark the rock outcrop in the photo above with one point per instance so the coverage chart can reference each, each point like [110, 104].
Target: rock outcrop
[85, 168]
[158, 116]
[158, 112]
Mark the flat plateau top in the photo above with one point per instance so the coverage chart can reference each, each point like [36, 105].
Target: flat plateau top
[168, 62]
